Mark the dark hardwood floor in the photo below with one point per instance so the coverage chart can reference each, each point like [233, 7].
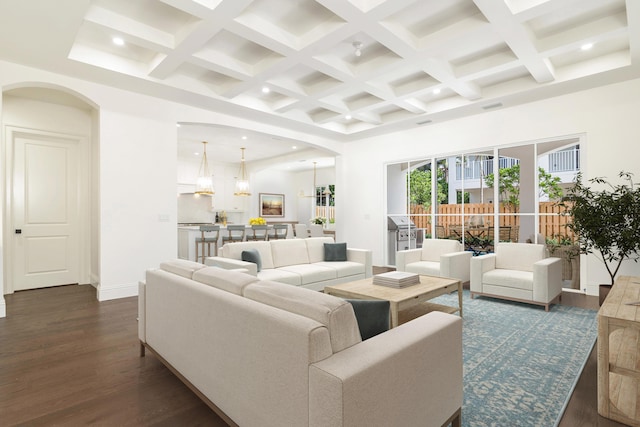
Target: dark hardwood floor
[68, 360]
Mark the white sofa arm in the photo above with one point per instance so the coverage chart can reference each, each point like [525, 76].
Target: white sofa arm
[232, 264]
[478, 266]
[547, 279]
[362, 256]
[142, 312]
[408, 376]
[456, 265]
[407, 256]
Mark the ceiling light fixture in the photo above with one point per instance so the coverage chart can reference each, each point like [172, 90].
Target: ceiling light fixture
[204, 183]
[348, 117]
[586, 46]
[358, 48]
[436, 91]
[242, 181]
[265, 89]
[118, 41]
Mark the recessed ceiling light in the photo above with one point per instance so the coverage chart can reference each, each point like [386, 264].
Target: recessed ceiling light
[347, 116]
[294, 147]
[265, 89]
[358, 48]
[118, 41]
[178, 125]
[586, 46]
[244, 137]
[436, 91]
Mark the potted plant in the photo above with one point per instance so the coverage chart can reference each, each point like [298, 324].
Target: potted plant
[606, 222]
[566, 249]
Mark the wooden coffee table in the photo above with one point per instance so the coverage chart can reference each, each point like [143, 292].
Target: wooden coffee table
[404, 298]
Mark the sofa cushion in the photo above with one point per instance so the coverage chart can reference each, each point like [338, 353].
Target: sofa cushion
[234, 250]
[509, 279]
[227, 280]
[289, 252]
[432, 249]
[252, 255]
[335, 313]
[343, 268]
[181, 267]
[280, 275]
[372, 316]
[427, 268]
[335, 251]
[315, 248]
[311, 273]
[519, 256]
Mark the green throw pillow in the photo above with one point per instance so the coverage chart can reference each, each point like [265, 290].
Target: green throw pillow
[335, 251]
[252, 255]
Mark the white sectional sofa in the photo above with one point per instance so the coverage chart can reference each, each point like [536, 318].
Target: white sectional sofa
[437, 257]
[262, 353]
[299, 262]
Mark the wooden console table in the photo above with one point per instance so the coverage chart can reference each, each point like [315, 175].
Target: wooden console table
[619, 352]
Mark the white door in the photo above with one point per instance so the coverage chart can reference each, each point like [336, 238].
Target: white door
[45, 211]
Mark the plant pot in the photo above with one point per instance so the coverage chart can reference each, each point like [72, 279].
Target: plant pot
[603, 291]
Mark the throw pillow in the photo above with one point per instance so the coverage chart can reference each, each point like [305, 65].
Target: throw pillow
[252, 255]
[372, 316]
[335, 251]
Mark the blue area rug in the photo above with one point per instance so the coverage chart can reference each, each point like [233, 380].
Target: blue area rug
[521, 363]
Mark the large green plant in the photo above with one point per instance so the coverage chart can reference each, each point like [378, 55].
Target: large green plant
[606, 222]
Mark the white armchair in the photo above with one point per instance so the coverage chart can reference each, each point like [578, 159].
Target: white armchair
[519, 272]
[437, 257]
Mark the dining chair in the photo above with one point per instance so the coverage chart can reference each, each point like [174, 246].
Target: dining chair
[279, 231]
[316, 230]
[209, 234]
[301, 230]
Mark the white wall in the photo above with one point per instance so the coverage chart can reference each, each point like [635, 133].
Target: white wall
[607, 116]
[138, 199]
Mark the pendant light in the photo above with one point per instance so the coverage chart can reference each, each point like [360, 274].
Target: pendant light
[204, 183]
[242, 181]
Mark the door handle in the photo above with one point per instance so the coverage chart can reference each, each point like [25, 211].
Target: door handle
[18, 231]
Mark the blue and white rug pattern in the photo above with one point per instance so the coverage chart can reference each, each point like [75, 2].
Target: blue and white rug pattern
[520, 362]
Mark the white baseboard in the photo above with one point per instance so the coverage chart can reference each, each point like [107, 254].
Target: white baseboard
[115, 292]
[3, 307]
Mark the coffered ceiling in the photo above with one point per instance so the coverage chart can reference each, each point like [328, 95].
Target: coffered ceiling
[343, 69]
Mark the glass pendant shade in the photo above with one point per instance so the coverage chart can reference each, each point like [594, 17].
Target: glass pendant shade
[242, 182]
[204, 183]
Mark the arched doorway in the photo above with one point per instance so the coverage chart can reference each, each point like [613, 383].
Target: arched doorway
[48, 134]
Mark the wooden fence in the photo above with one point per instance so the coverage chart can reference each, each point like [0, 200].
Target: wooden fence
[451, 217]
[323, 210]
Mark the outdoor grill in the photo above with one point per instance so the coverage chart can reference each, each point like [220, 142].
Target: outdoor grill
[402, 234]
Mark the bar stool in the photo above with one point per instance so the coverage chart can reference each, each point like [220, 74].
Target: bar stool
[280, 231]
[260, 232]
[235, 234]
[212, 234]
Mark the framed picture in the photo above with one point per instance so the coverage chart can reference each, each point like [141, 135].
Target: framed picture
[271, 205]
